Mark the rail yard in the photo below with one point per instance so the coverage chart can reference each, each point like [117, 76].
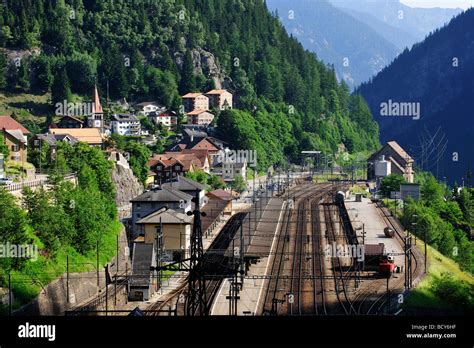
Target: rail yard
[316, 262]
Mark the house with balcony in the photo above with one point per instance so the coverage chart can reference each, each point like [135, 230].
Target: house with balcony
[70, 122]
[147, 107]
[168, 119]
[165, 168]
[126, 125]
[152, 200]
[229, 170]
[15, 136]
[200, 117]
[195, 101]
[220, 99]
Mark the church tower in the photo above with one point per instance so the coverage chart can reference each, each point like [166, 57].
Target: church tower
[96, 119]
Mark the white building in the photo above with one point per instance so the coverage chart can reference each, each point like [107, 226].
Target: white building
[229, 170]
[146, 108]
[168, 119]
[128, 125]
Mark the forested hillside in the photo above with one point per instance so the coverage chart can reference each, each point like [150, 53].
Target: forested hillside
[157, 50]
[437, 74]
[357, 51]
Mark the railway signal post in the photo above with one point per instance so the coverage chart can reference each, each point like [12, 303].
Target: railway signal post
[196, 302]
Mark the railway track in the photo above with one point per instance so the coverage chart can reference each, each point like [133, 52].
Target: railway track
[216, 265]
[318, 260]
[373, 300]
[340, 277]
[304, 238]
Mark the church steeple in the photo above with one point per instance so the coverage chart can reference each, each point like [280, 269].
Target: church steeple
[96, 107]
[96, 120]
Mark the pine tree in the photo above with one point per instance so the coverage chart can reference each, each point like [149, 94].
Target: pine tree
[24, 77]
[3, 70]
[12, 77]
[188, 79]
[61, 90]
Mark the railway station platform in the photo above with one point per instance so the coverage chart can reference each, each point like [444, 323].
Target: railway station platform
[365, 217]
[260, 247]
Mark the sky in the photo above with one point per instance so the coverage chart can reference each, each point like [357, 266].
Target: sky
[439, 3]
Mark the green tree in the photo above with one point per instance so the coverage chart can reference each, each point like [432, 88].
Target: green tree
[432, 192]
[84, 69]
[59, 168]
[24, 76]
[199, 176]
[61, 90]
[4, 147]
[41, 67]
[162, 86]
[13, 227]
[215, 182]
[188, 79]
[239, 184]
[114, 72]
[3, 70]
[12, 77]
[139, 156]
[49, 221]
[41, 157]
[391, 183]
[90, 217]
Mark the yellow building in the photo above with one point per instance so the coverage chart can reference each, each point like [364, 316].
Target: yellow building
[15, 136]
[176, 232]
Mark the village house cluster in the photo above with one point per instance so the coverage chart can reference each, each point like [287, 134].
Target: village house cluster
[169, 194]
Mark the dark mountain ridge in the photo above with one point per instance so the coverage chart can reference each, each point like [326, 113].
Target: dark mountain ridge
[436, 74]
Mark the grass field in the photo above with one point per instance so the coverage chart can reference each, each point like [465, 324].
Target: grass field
[28, 282]
[439, 265]
[26, 106]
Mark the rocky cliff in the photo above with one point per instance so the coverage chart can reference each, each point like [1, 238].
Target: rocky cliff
[127, 187]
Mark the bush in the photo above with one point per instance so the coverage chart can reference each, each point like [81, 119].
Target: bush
[458, 293]
[391, 183]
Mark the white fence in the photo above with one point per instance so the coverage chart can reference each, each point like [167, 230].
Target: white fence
[34, 183]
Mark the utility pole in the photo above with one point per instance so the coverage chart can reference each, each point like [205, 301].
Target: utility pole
[426, 251]
[159, 253]
[97, 266]
[197, 284]
[363, 233]
[408, 275]
[388, 294]
[242, 246]
[116, 272]
[10, 300]
[67, 278]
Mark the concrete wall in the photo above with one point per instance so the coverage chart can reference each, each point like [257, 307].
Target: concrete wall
[83, 288]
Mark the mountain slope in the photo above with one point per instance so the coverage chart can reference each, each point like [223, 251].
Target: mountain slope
[356, 50]
[157, 50]
[418, 22]
[399, 37]
[438, 74]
